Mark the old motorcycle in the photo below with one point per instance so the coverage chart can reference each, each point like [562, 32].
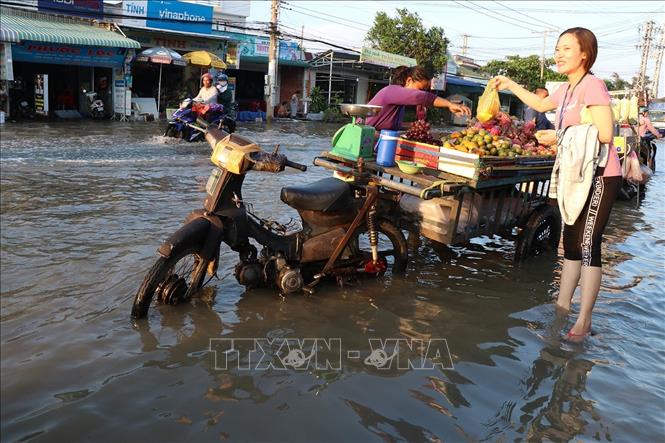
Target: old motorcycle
[343, 231]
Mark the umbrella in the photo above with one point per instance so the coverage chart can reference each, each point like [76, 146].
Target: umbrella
[205, 59]
[162, 56]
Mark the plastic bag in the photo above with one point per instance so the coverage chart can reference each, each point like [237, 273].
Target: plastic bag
[633, 169]
[646, 174]
[488, 104]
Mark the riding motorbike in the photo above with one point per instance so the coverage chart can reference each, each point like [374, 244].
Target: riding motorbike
[95, 105]
[179, 125]
[345, 231]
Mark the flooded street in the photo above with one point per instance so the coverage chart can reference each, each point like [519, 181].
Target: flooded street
[86, 205]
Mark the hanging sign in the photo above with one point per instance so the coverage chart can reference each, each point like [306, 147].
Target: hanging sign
[232, 60]
[6, 64]
[382, 58]
[59, 54]
[41, 94]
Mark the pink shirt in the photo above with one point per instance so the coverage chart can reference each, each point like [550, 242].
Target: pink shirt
[590, 91]
[647, 126]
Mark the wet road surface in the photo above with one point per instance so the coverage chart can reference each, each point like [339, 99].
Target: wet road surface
[84, 208]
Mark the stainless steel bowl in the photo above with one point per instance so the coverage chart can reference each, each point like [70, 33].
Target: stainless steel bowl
[354, 110]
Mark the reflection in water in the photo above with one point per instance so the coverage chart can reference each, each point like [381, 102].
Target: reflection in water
[82, 216]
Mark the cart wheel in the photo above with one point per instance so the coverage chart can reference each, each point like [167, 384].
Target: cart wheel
[540, 234]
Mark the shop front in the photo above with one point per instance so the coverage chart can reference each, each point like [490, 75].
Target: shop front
[251, 70]
[54, 60]
[180, 26]
[180, 81]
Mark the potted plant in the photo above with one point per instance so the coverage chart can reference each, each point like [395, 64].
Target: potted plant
[317, 104]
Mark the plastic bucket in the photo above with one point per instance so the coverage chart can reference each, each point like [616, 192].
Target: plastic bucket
[386, 146]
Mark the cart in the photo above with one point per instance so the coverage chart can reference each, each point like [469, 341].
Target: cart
[451, 209]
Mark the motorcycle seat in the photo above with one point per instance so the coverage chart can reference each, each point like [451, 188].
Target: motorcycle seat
[326, 195]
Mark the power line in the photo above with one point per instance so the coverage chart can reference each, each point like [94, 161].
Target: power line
[522, 14]
[326, 14]
[481, 11]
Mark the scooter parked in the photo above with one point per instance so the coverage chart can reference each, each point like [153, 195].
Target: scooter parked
[95, 105]
[345, 231]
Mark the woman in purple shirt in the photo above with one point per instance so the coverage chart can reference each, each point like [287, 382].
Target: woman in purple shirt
[410, 89]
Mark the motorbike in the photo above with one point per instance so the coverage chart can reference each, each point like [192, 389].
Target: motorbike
[95, 105]
[344, 232]
[24, 109]
[191, 110]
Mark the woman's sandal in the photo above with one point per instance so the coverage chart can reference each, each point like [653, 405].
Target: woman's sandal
[577, 338]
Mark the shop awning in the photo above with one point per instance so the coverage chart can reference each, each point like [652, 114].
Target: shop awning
[18, 25]
[462, 82]
[264, 60]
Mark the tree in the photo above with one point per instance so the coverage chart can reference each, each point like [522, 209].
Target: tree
[405, 35]
[616, 83]
[524, 70]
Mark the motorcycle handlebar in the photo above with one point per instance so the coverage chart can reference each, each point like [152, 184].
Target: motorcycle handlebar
[295, 165]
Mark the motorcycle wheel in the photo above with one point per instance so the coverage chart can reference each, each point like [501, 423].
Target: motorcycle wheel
[172, 280]
[392, 246]
[171, 131]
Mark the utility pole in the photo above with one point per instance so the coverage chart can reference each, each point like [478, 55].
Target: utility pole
[272, 62]
[645, 45]
[465, 43]
[660, 48]
[542, 55]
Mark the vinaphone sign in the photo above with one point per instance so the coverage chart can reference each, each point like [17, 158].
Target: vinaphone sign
[171, 15]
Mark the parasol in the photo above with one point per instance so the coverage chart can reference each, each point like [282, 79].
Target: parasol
[205, 59]
[162, 56]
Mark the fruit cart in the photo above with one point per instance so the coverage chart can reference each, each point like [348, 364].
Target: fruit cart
[503, 196]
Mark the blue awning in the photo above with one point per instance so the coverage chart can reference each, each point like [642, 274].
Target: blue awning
[462, 82]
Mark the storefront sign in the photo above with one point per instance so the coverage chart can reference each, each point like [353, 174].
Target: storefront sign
[382, 58]
[41, 94]
[53, 53]
[179, 16]
[6, 64]
[122, 98]
[260, 47]
[134, 13]
[179, 43]
[232, 59]
[83, 8]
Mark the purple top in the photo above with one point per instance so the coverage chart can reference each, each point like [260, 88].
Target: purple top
[393, 98]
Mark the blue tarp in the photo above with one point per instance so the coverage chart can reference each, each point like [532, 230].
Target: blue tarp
[250, 116]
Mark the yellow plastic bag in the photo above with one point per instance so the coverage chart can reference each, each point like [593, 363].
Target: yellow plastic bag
[488, 104]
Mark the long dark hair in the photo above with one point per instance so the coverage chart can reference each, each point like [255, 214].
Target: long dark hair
[417, 73]
[588, 44]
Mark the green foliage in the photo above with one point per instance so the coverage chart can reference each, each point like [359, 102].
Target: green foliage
[406, 35]
[318, 101]
[524, 70]
[616, 83]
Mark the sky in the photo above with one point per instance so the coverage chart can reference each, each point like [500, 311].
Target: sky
[495, 29]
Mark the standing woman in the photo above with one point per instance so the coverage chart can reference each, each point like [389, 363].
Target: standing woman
[410, 89]
[584, 95]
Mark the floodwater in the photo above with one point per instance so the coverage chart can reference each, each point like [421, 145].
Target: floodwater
[84, 208]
